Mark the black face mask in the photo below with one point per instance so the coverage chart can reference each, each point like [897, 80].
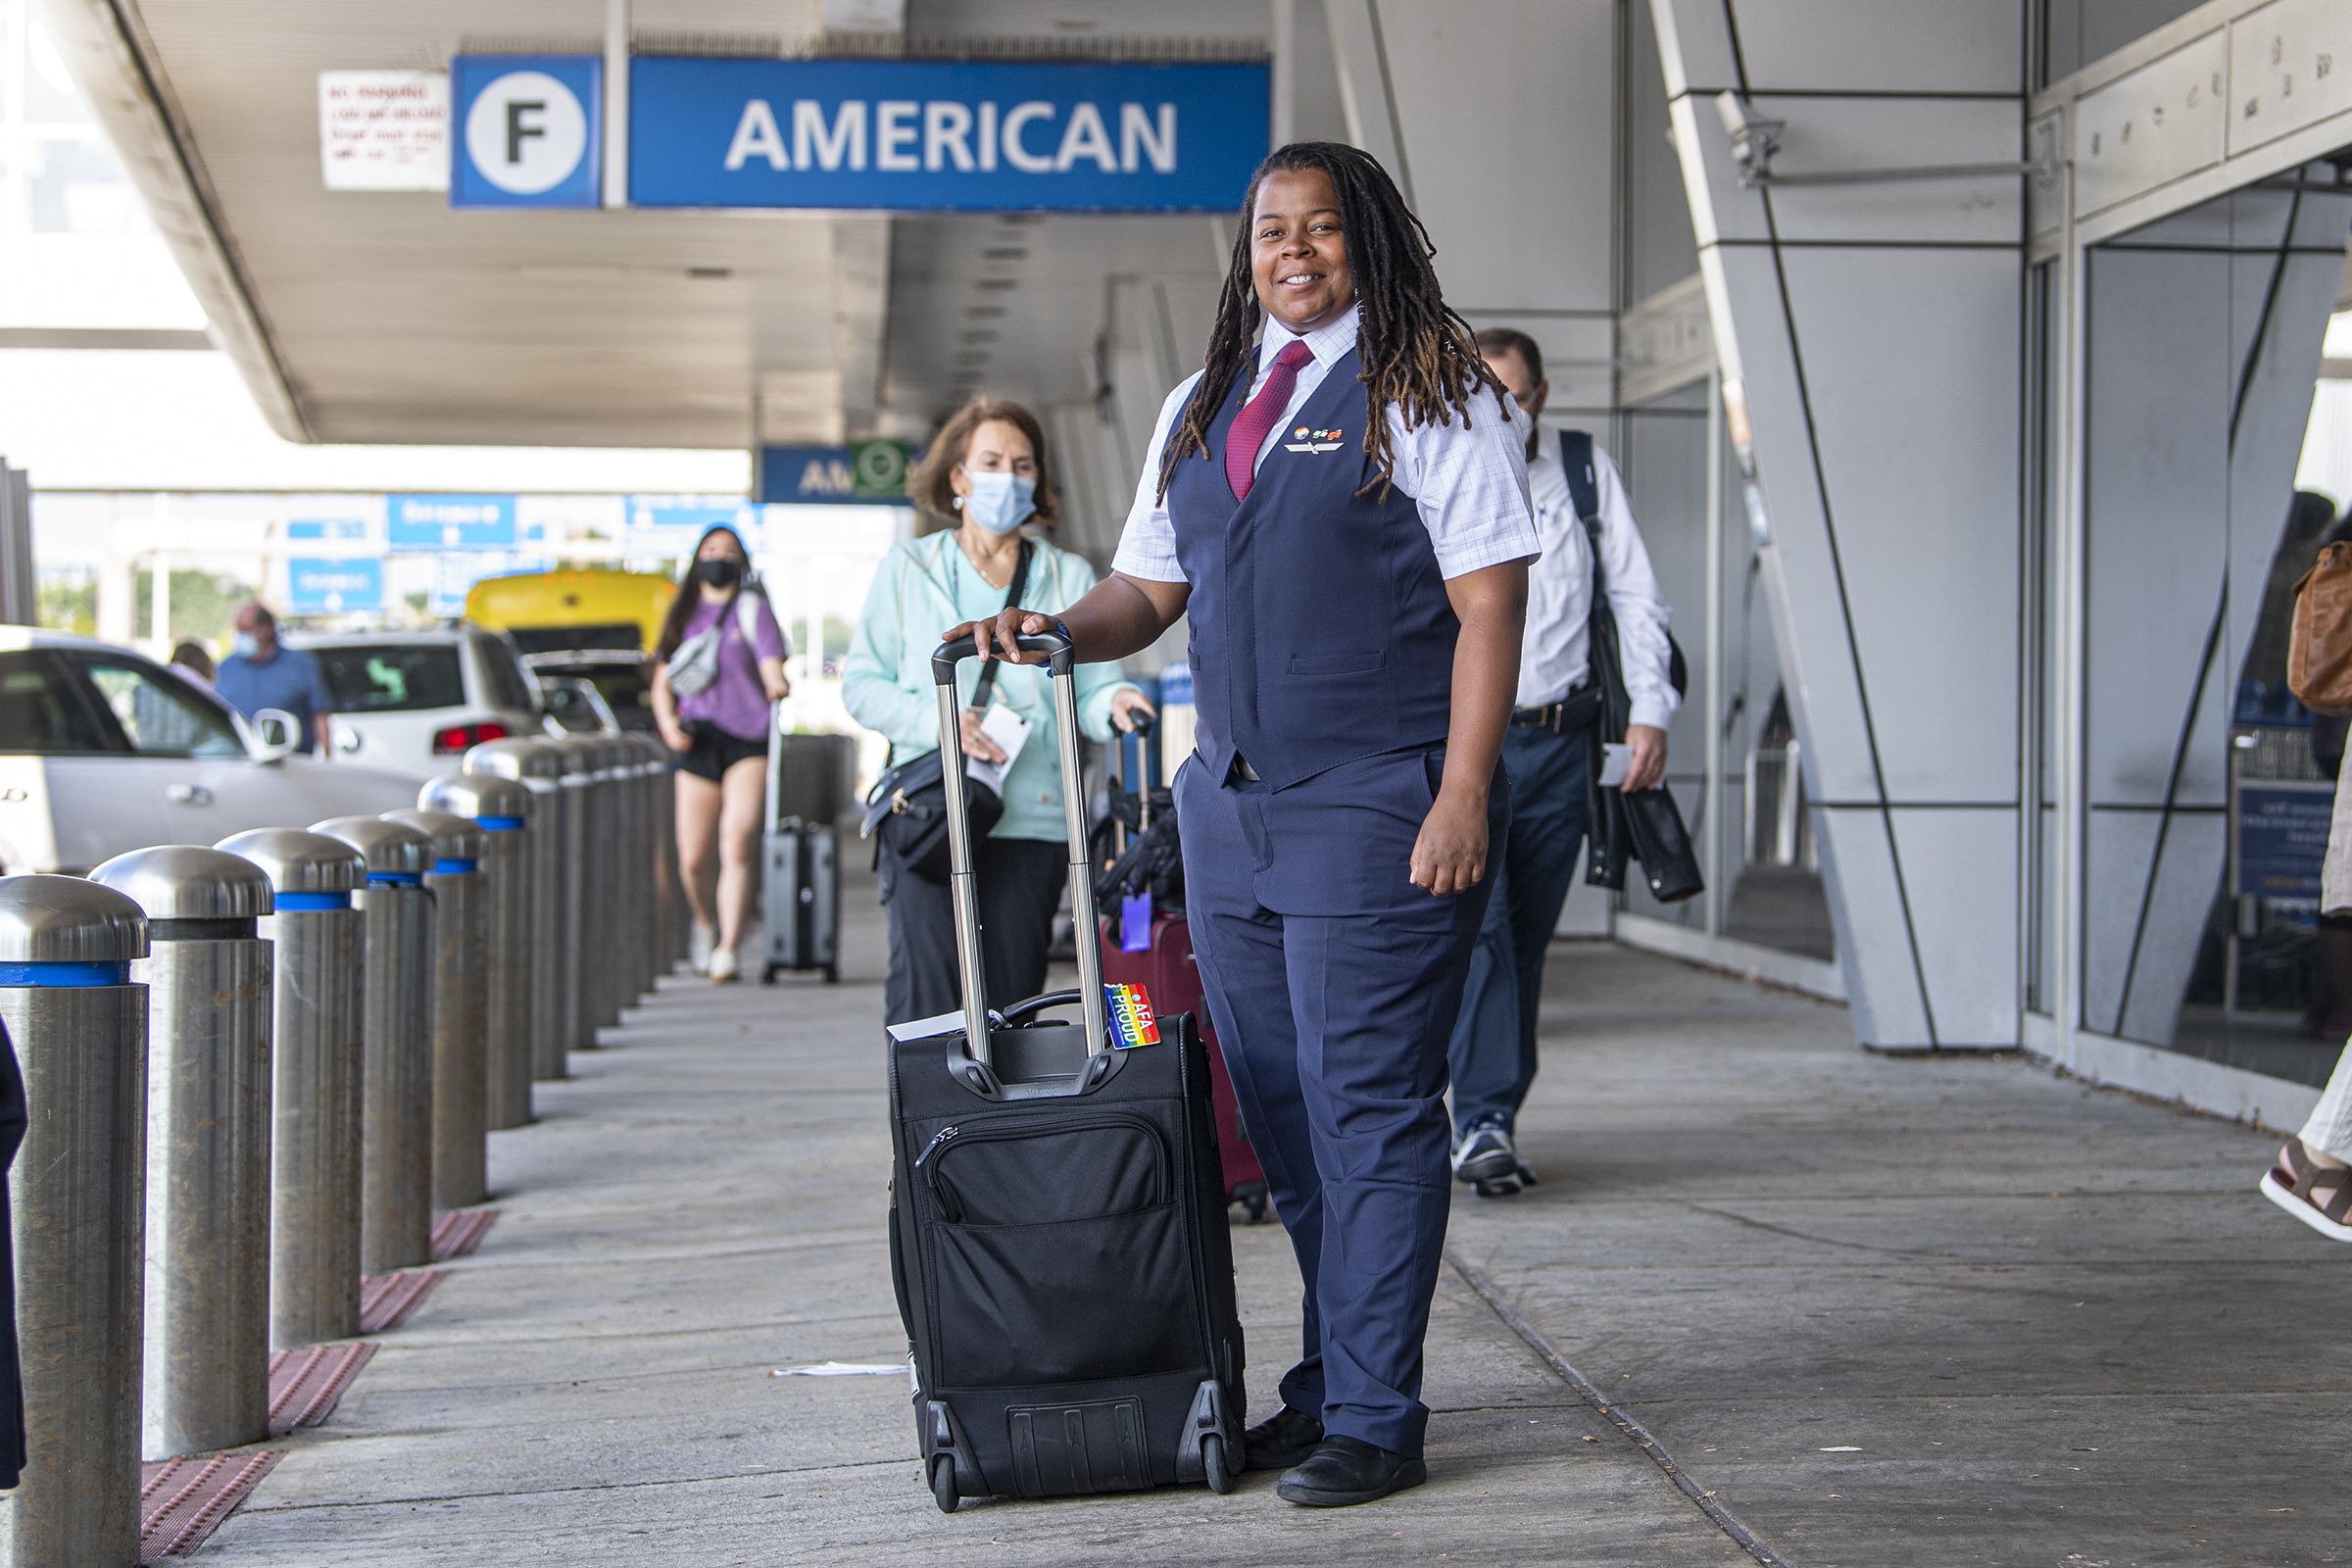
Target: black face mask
[719, 574]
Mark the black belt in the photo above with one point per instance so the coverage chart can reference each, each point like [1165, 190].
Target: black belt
[1240, 770]
[1577, 710]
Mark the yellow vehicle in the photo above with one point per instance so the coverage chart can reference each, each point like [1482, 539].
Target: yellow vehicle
[546, 611]
[579, 629]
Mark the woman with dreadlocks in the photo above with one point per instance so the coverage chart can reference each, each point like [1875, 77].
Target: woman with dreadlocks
[1341, 509]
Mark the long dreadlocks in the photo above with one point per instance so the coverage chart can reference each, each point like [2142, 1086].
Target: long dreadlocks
[1416, 353]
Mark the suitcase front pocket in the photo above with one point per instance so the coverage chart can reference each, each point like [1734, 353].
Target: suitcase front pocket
[1059, 1251]
[1028, 1170]
[1064, 1302]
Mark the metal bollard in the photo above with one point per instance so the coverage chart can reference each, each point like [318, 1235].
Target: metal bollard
[585, 773]
[460, 1005]
[207, 973]
[609, 858]
[552, 846]
[627, 876]
[649, 927]
[637, 949]
[396, 1043]
[317, 993]
[678, 915]
[658, 836]
[583, 827]
[501, 808]
[71, 1007]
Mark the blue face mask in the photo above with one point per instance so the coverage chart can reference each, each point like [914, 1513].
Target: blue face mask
[1000, 501]
[245, 646]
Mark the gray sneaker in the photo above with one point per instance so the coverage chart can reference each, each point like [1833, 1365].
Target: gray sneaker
[1485, 1156]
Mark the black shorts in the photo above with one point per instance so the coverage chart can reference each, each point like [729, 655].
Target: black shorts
[714, 751]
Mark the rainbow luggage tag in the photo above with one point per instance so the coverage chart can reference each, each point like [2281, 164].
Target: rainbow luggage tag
[1131, 1021]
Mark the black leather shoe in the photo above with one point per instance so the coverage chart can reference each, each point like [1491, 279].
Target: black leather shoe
[1346, 1470]
[1284, 1439]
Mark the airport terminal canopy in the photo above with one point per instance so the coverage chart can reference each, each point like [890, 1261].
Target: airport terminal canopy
[668, 222]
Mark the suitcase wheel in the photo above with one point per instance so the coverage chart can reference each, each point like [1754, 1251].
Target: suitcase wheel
[1212, 1462]
[768, 975]
[943, 1481]
[1251, 1196]
[832, 974]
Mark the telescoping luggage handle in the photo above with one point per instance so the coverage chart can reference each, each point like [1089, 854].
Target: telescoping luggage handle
[1061, 669]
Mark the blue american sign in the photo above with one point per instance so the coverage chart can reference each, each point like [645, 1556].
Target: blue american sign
[944, 136]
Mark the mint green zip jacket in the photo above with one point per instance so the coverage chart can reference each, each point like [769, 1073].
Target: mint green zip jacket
[923, 587]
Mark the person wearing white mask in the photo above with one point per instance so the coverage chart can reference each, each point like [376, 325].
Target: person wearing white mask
[985, 473]
[1547, 753]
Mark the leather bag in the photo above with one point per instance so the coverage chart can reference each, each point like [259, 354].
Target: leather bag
[2319, 649]
[909, 801]
[1646, 825]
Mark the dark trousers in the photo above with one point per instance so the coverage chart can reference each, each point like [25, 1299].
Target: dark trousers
[1333, 981]
[1492, 1053]
[1019, 883]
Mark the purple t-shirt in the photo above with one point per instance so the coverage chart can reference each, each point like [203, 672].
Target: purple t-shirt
[736, 702]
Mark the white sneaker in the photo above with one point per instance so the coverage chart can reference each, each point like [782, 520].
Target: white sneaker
[723, 967]
[697, 949]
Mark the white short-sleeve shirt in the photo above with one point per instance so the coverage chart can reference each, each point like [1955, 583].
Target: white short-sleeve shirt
[1468, 477]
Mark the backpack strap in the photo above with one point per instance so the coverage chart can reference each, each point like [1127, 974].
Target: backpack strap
[1584, 484]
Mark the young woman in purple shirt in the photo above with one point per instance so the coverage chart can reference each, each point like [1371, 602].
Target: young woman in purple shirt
[721, 729]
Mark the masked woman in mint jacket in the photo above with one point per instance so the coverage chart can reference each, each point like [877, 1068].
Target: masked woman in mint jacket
[985, 471]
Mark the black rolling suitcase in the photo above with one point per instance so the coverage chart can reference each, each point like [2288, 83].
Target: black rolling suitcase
[1057, 1220]
[801, 885]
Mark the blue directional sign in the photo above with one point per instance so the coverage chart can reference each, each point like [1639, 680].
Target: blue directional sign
[945, 135]
[458, 571]
[527, 130]
[672, 525]
[317, 587]
[870, 474]
[451, 523]
[321, 530]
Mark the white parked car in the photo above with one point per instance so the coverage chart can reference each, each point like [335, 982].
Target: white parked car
[417, 701]
[104, 751]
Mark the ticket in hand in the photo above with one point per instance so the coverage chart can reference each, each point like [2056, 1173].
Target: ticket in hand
[1131, 1021]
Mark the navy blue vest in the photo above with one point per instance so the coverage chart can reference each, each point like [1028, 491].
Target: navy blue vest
[1321, 630]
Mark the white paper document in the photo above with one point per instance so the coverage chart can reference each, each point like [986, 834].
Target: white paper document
[1615, 759]
[1010, 731]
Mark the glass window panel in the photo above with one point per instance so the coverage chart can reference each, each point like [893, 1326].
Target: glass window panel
[162, 715]
[75, 185]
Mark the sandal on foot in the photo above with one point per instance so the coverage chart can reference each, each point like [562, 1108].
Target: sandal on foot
[2320, 1196]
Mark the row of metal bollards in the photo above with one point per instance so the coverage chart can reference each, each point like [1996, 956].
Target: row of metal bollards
[252, 1072]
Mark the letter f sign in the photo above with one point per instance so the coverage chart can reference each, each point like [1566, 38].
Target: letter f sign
[517, 130]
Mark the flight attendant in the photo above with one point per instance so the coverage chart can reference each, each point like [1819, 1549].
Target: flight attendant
[1340, 506]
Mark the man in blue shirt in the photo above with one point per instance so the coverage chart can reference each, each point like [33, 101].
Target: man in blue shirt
[265, 672]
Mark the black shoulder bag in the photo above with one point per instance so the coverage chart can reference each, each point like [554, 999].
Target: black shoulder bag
[909, 801]
[1644, 825]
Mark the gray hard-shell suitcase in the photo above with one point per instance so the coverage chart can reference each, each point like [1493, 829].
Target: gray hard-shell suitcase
[801, 900]
[1057, 1227]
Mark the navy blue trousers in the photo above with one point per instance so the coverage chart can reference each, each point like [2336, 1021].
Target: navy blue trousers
[1333, 982]
[1492, 1054]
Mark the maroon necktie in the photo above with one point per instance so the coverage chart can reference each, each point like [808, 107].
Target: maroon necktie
[1250, 425]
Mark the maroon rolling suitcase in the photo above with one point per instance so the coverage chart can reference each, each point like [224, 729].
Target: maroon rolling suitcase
[1171, 979]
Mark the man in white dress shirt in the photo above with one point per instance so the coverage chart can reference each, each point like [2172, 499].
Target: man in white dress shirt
[1547, 754]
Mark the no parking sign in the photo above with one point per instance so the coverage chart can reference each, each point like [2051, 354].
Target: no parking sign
[529, 129]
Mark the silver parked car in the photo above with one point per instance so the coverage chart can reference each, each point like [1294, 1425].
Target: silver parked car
[417, 700]
[102, 751]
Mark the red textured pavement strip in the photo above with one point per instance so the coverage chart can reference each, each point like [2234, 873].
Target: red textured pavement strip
[183, 1501]
[386, 1300]
[459, 1231]
[305, 1384]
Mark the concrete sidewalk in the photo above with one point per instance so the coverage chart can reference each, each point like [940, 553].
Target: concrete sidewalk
[1878, 1312]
